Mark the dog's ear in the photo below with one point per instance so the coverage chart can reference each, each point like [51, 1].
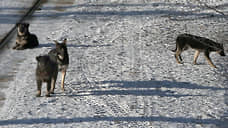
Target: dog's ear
[38, 58]
[65, 41]
[17, 24]
[221, 45]
[27, 24]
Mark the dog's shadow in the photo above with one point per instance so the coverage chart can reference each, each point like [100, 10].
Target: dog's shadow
[139, 88]
[49, 45]
[52, 45]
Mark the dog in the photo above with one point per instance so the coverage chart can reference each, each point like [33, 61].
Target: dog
[46, 71]
[61, 56]
[24, 38]
[200, 44]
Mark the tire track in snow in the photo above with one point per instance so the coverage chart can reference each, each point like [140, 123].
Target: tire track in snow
[103, 106]
[99, 107]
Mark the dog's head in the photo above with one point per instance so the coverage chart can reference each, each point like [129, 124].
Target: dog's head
[61, 50]
[221, 50]
[42, 61]
[22, 28]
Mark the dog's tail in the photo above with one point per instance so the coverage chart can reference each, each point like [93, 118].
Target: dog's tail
[176, 46]
[174, 50]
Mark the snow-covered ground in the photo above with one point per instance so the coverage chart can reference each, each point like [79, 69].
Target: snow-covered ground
[10, 12]
[122, 71]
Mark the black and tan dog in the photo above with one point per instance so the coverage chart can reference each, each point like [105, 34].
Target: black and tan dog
[24, 38]
[200, 44]
[62, 58]
[46, 71]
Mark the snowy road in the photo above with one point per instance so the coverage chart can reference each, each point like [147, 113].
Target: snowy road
[11, 12]
[122, 72]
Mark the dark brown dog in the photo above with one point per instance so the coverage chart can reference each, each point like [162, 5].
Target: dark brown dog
[62, 58]
[46, 71]
[200, 44]
[24, 38]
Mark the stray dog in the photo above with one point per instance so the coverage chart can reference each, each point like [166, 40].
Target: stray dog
[200, 44]
[62, 58]
[24, 38]
[46, 71]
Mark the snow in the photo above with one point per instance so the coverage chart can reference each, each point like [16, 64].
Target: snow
[11, 11]
[122, 71]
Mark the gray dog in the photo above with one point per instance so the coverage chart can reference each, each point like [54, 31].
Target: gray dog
[46, 71]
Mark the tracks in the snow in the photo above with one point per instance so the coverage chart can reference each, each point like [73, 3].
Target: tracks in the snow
[104, 105]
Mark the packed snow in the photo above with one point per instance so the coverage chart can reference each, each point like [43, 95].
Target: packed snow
[122, 71]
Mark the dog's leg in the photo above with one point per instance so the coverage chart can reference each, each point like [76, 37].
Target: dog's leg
[177, 54]
[20, 47]
[196, 56]
[48, 88]
[39, 85]
[209, 59]
[53, 81]
[180, 58]
[63, 79]
[16, 46]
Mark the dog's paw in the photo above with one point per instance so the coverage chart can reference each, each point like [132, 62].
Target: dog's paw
[62, 88]
[47, 95]
[38, 95]
[180, 62]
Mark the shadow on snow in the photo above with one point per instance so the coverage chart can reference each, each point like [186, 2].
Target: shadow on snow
[97, 119]
[10, 18]
[52, 45]
[158, 84]
[143, 88]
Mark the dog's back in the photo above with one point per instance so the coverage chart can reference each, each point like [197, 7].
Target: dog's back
[46, 68]
[196, 42]
[32, 41]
